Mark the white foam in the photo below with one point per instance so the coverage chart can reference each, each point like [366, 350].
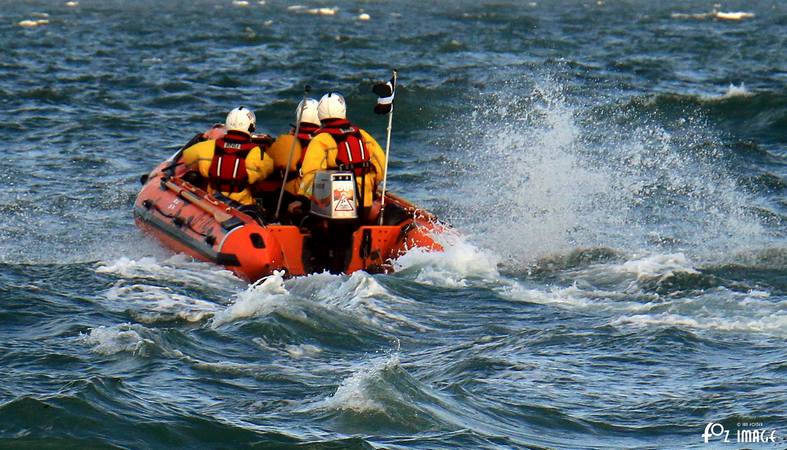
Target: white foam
[774, 324]
[260, 299]
[718, 309]
[454, 266]
[179, 268]
[299, 351]
[573, 297]
[547, 193]
[151, 304]
[656, 266]
[361, 296]
[696, 16]
[130, 268]
[355, 393]
[115, 339]
[737, 91]
[757, 294]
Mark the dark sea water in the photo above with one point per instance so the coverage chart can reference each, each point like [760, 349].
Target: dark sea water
[616, 172]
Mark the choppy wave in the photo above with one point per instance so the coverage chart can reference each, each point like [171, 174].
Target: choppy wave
[759, 113]
[614, 173]
[260, 299]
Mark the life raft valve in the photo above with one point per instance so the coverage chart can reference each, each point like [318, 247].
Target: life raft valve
[147, 203]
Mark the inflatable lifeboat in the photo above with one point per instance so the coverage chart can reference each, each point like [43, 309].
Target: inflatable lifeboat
[176, 210]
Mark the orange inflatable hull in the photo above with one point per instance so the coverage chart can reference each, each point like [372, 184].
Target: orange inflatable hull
[186, 219]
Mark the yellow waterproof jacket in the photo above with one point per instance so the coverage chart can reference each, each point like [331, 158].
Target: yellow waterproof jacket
[321, 155]
[279, 151]
[258, 167]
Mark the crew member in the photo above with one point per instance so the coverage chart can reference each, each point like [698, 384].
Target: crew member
[280, 149]
[231, 163]
[341, 145]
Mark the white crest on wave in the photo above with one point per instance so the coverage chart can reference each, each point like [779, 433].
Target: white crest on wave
[179, 268]
[737, 91]
[151, 304]
[360, 296]
[261, 298]
[356, 393]
[656, 266]
[115, 339]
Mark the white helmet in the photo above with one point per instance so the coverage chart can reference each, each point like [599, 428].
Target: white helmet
[309, 114]
[241, 119]
[332, 106]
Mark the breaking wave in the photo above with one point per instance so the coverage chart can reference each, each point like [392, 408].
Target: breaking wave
[117, 338]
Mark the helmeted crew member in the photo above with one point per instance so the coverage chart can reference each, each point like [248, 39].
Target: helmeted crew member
[280, 149]
[341, 145]
[233, 162]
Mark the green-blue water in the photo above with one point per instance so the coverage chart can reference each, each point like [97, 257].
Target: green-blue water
[615, 172]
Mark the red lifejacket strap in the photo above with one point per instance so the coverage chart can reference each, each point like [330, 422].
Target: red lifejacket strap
[306, 132]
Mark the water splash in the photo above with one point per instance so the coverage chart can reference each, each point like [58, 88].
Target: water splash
[454, 267]
[543, 176]
[737, 91]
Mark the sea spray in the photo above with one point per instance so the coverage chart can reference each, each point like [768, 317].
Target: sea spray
[543, 176]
